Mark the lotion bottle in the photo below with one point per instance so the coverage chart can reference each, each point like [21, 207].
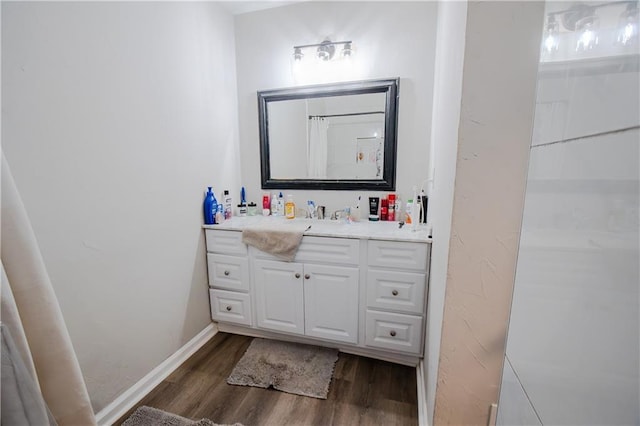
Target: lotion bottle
[274, 205]
[290, 207]
[280, 204]
[208, 206]
[228, 205]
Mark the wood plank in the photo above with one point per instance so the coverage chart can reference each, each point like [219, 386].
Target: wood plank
[363, 391]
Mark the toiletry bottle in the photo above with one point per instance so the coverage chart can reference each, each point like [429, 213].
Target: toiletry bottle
[266, 205]
[391, 210]
[384, 209]
[290, 207]
[373, 208]
[220, 213]
[242, 210]
[280, 204]
[214, 207]
[425, 203]
[407, 216]
[228, 205]
[274, 205]
[252, 209]
[209, 212]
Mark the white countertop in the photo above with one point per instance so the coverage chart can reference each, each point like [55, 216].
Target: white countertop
[390, 231]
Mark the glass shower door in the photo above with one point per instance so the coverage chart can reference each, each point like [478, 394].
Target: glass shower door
[572, 353]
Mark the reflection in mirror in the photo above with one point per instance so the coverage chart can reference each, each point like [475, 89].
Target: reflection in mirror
[340, 136]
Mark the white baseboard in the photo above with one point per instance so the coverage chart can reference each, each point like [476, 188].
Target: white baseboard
[127, 400]
[423, 413]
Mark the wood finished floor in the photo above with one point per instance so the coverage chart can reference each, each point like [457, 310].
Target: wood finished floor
[363, 391]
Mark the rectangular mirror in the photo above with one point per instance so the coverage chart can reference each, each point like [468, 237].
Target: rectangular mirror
[336, 136]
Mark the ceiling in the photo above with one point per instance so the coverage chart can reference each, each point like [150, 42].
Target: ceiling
[237, 7]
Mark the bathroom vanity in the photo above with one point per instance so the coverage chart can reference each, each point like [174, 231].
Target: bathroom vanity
[359, 287]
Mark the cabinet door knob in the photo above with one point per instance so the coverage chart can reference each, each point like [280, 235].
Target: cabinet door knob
[394, 292]
[392, 333]
[228, 308]
[307, 276]
[297, 275]
[226, 273]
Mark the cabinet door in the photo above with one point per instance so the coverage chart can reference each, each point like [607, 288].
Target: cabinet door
[331, 302]
[279, 296]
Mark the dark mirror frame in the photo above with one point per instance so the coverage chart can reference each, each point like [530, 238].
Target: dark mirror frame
[387, 86]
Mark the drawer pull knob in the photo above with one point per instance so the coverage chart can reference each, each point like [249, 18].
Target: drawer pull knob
[229, 308]
[297, 275]
[394, 292]
[392, 333]
[307, 276]
[226, 273]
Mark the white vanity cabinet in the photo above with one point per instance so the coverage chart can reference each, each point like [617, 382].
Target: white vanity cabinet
[316, 298]
[229, 281]
[396, 293]
[359, 287]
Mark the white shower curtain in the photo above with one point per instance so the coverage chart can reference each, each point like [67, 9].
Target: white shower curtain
[40, 368]
[317, 148]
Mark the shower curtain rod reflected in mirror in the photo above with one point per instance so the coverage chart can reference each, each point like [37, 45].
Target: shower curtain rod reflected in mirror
[345, 115]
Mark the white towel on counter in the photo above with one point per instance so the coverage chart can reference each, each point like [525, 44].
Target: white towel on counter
[280, 240]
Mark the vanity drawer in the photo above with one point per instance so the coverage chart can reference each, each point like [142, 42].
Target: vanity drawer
[396, 332]
[329, 250]
[230, 306]
[343, 251]
[395, 254]
[225, 242]
[396, 291]
[228, 272]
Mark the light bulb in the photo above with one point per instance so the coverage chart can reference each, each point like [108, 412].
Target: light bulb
[589, 37]
[628, 27]
[550, 43]
[347, 51]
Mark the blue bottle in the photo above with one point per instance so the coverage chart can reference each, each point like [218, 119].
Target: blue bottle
[210, 207]
[214, 208]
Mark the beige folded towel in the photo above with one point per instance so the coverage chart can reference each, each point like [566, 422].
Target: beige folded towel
[280, 240]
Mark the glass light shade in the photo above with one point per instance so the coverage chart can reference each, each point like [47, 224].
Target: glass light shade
[587, 29]
[550, 42]
[628, 26]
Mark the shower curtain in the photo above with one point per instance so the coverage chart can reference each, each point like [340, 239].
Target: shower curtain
[317, 149]
[39, 366]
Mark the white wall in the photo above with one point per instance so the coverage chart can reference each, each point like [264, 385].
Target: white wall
[116, 116]
[573, 345]
[393, 39]
[452, 21]
[494, 135]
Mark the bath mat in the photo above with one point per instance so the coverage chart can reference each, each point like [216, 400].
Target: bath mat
[288, 367]
[149, 416]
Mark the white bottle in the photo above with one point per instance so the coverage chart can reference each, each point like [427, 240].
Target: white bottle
[228, 205]
[280, 204]
[274, 205]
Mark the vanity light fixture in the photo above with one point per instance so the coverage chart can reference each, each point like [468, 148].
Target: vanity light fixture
[582, 19]
[325, 51]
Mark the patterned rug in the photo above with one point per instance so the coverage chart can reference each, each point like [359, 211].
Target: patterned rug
[288, 367]
[149, 416]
